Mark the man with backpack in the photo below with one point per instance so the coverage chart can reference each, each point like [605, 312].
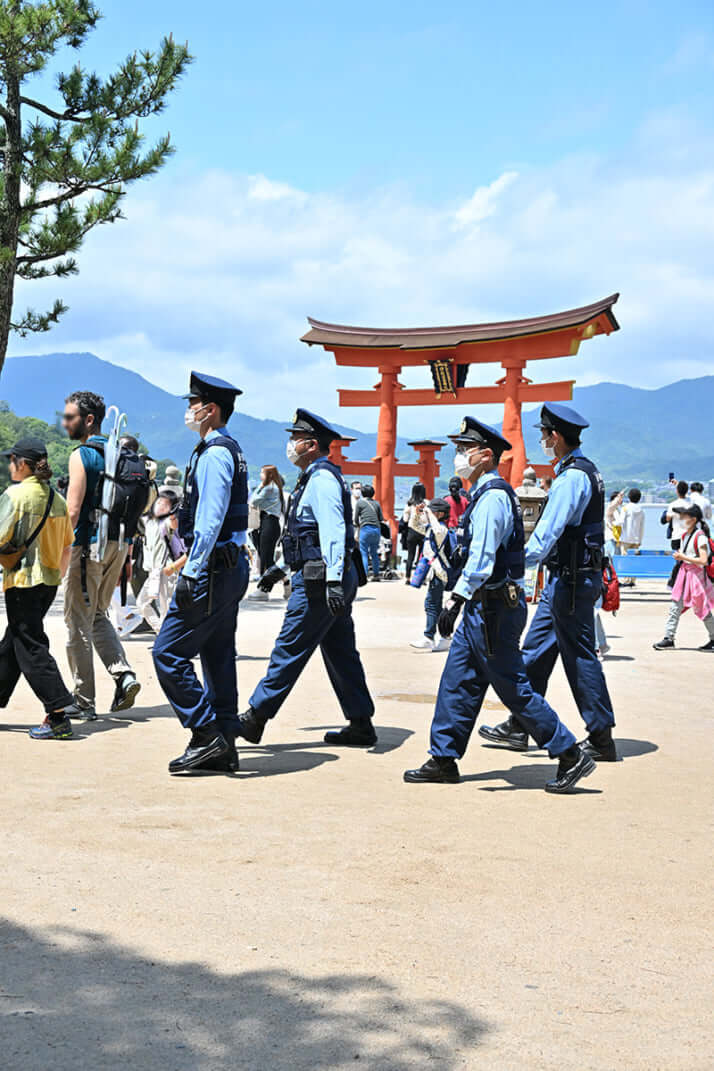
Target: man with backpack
[89, 583]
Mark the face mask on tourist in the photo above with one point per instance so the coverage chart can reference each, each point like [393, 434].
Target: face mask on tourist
[549, 451]
[191, 420]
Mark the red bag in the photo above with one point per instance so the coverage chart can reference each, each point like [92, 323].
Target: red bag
[610, 588]
[709, 569]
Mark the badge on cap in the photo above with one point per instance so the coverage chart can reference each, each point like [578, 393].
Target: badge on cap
[464, 427]
[296, 417]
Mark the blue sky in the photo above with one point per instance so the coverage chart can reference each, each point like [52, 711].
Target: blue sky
[400, 164]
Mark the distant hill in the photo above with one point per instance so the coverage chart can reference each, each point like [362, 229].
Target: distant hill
[37, 386]
[635, 434]
[645, 434]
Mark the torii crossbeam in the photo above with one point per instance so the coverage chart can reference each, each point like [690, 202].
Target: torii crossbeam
[449, 351]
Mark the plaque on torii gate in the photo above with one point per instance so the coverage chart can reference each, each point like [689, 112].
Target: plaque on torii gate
[448, 351]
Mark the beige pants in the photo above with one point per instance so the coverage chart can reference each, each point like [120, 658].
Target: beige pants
[88, 625]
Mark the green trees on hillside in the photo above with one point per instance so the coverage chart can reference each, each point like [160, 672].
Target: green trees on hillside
[66, 159]
[59, 447]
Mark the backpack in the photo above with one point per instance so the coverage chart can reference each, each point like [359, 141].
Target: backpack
[610, 588]
[133, 488]
[709, 567]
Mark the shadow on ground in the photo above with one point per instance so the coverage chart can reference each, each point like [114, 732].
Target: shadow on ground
[533, 776]
[73, 999]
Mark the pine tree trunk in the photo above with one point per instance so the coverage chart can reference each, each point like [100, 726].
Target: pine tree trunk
[9, 208]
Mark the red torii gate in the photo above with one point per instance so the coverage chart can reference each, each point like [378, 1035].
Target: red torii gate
[449, 351]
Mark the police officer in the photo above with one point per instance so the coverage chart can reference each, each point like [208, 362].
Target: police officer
[319, 548]
[202, 617]
[569, 538]
[485, 648]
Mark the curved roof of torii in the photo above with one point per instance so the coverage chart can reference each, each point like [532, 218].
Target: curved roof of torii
[416, 338]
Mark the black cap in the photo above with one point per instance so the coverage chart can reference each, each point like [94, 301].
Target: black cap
[476, 433]
[439, 505]
[304, 420]
[692, 510]
[557, 417]
[212, 389]
[30, 447]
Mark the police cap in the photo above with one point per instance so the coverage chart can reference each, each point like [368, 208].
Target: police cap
[211, 389]
[557, 417]
[304, 420]
[474, 432]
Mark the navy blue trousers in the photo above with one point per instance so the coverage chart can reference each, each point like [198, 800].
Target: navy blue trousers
[468, 673]
[308, 624]
[187, 633]
[555, 631]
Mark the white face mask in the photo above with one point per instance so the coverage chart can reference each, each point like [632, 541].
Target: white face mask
[549, 451]
[291, 451]
[462, 467]
[190, 418]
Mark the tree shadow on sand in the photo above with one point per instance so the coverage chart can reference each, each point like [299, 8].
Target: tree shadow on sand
[73, 999]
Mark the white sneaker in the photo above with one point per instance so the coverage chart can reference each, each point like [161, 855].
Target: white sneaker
[259, 596]
[424, 644]
[443, 643]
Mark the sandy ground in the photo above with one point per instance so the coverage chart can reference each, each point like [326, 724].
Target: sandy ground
[315, 912]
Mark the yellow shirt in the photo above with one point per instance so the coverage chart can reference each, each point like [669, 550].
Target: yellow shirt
[22, 507]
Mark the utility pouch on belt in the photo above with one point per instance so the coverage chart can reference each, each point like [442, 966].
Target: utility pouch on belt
[314, 574]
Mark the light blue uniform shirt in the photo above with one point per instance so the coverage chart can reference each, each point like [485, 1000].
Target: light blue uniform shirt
[491, 528]
[322, 502]
[568, 498]
[214, 479]
[267, 499]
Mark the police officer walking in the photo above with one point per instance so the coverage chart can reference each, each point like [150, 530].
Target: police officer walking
[319, 548]
[202, 616]
[485, 649]
[569, 539]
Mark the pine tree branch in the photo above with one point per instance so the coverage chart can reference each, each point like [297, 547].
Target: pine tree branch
[66, 116]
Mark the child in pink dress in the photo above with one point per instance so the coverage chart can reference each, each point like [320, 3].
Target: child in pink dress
[692, 588]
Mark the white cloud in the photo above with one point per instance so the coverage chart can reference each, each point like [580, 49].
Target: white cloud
[484, 201]
[220, 271]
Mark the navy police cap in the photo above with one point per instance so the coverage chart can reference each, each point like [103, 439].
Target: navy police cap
[304, 420]
[557, 417]
[475, 432]
[211, 389]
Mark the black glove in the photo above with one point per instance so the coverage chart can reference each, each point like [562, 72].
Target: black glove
[270, 578]
[335, 597]
[447, 617]
[185, 591]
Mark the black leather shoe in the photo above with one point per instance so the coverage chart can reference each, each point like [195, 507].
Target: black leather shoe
[507, 734]
[204, 745]
[601, 749]
[251, 726]
[434, 771]
[707, 646]
[227, 763]
[353, 735]
[573, 765]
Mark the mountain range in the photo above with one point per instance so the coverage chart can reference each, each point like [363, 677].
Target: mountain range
[635, 435]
